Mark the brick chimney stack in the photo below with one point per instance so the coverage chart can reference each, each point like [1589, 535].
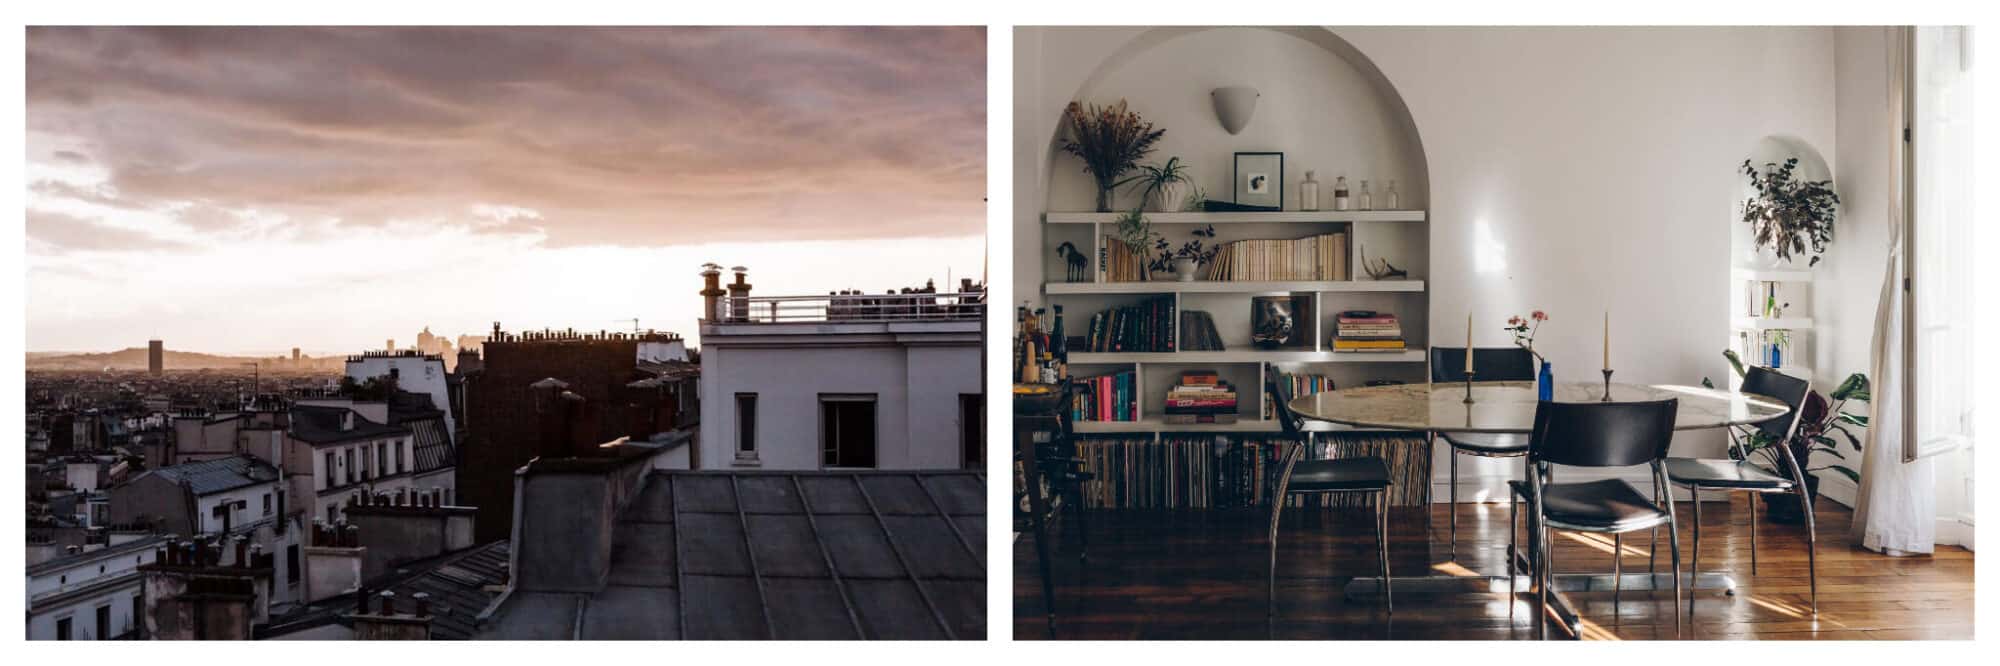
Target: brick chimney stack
[711, 291]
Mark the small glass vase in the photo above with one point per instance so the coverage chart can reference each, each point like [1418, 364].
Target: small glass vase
[1545, 384]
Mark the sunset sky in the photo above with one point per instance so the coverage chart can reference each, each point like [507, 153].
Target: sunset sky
[249, 190]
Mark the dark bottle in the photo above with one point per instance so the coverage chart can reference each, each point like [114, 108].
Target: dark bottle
[1059, 346]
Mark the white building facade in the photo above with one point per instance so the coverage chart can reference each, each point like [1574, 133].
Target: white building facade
[841, 382]
[93, 595]
[414, 372]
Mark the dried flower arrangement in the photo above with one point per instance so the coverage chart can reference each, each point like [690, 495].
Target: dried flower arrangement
[1110, 140]
[1786, 215]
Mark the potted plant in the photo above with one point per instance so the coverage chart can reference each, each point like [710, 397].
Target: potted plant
[1820, 418]
[1136, 233]
[1191, 256]
[1166, 185]
[1110, 140]
[1786, 216]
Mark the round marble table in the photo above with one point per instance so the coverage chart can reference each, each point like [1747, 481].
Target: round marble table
[1509, 407]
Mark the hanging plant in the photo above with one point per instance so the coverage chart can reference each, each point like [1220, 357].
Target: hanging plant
[1788, 215]
[1110, 140]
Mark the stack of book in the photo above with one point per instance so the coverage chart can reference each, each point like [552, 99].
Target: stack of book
[1109, 397]
[1320, 257]
[1367, 331]
[1146, 327]
[1201, 397]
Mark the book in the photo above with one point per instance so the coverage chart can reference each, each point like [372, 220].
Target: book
[1319, 257]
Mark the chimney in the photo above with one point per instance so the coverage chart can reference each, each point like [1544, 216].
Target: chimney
[711, 290]
[739, 296]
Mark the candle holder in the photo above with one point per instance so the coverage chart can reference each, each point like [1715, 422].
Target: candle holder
[1607, 385]
[1468, 386]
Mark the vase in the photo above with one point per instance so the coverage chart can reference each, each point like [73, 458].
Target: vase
[1545, 384]
[1168, 198]
[1184, 269]
[1103, 198]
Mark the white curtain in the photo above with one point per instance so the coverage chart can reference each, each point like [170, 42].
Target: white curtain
[1895, 510]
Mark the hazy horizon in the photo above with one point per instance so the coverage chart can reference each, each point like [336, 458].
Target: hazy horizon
[235, 191]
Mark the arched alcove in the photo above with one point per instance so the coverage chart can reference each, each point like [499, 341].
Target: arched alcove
[1323, 103]
[1757, 275]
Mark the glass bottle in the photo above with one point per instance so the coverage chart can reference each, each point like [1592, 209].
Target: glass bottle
[1365, 201]
[1309, 193]
[1340, 193]
[1389, 199]
[1059, 347]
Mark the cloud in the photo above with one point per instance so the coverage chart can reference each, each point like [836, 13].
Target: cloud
[609, 136]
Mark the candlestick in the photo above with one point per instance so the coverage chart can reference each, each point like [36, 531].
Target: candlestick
[1468, 344]
[1468, 386]
[1607, 386]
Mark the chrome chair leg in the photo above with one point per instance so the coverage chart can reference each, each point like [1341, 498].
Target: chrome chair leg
[1513, 525]
[1617, 569]
[1694, 569]
[1653, 543]
[1812, 548]
[1382, 545]
[1454, 503]
[1543, 577]
[1674, 539]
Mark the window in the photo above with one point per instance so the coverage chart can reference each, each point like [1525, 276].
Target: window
[328, 483]
[349, 475]
[1939, 262]
[746, 426]
[382, 459]
[62, 629]
[292, 565]
[332, 514]
[104, 623]
[402, 461]
[847, 430]
[972, 431]
[138, 614]
[267, 504]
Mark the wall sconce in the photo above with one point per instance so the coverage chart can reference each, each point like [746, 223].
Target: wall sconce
[1234, 105]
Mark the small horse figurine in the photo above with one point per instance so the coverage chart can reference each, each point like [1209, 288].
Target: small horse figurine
[1078, 262]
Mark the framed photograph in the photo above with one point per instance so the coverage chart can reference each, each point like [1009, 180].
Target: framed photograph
[1260, 180]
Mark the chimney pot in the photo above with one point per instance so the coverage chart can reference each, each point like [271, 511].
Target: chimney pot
[423, 600]
[388, 602]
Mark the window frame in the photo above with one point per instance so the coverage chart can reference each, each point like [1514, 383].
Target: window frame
[874, 413]
[746, 429]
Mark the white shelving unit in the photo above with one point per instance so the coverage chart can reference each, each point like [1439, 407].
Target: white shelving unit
[1402, 234]
[1793, 285]
[1778, 324]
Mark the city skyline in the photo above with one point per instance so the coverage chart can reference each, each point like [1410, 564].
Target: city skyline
[246, 191]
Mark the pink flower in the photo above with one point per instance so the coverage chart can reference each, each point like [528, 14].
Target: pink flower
[1540, 316]
[1515, 320]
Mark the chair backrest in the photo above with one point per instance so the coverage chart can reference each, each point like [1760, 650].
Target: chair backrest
[1782, 387]
[1602, 434]
[1490, 364]
[1281, 405]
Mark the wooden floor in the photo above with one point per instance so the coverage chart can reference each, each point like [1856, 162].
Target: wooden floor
[1201, 575]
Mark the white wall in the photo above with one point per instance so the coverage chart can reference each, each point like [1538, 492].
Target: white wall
[1591, 168]
[916, 388]
[251, 511]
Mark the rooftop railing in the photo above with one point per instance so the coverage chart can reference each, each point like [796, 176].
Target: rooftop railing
[854, 308]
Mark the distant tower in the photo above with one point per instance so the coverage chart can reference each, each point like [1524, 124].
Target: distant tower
[295, 356]
[156, 357]
[390, 345]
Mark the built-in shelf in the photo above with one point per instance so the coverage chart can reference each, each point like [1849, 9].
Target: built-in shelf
[1154, 424]
[1247, 217]
[1248, 356]
[1764, 275]
[1231, 287]
[1770, 324]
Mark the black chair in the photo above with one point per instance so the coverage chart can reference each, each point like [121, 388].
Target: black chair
[1052, 482]
[1490, 365]
[1739, 475]
[1593, 434]
[1318, 477]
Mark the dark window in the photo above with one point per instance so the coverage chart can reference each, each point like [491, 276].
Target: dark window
[972, 431]
[138, 613]
[349, 476]
[382, 459]
[103, 623]
[62, 630]
[847, 430]
[402, 462]
[329, 471]
[292, 564]
[746, 425]
[267, 504]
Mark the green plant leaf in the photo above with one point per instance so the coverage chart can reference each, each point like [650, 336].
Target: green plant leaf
[1845, 417]
[1707, 384]
[1846, 472]
[1855, 387]
[1735, 362]
[1851, 439]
